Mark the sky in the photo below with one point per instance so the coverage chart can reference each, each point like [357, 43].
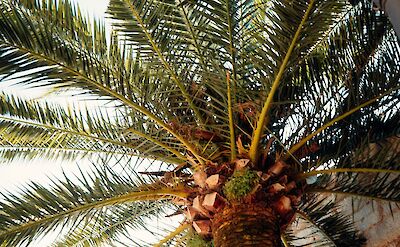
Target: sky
[93, 7]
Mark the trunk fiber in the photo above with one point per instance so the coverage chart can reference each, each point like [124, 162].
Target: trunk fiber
[246, 225]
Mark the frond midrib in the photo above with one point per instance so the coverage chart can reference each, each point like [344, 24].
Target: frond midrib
[29, 148]
[172, 234]
[84, 150]
[303, 141]
[103, 230]
[305, 217]
[231, 44]
[111, 141]
[173, 74]
[324, 38]
[36, 124]
[262, 118]
[165, 146]
[141, 109]
[130, 197]
[190, 28]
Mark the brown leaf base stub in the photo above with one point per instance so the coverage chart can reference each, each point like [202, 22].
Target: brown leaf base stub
[246, 225]
[239, 203]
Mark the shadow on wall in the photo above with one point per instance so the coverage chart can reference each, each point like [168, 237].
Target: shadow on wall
[379, 222]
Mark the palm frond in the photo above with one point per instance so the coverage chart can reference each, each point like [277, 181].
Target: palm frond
[258, 132]
[50, 56]
[374, 147]
[113, 224]
[320, 223]
[374, 186]
[343, 116]
[368, 170]
[31, 128]
[314, 84]
[180, 230]
[145, 30]
[348, 84]
[39, 210]
[171, 43]
[274, 24]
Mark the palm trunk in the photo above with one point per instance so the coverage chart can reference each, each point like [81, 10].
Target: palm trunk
[246, 225]
[392, 10]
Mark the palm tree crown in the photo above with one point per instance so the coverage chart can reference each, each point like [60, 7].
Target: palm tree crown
[243, 116]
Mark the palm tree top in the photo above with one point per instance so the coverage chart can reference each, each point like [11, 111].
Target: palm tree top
[203, 106]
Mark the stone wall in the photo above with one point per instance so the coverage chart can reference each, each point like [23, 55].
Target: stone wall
[379, 224]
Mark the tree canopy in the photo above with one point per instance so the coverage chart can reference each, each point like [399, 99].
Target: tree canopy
[300, 94]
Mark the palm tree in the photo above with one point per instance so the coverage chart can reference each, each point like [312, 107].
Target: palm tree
[243, 116]
[393, 11]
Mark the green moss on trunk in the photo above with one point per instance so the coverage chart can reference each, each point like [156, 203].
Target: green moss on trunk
[240, 184]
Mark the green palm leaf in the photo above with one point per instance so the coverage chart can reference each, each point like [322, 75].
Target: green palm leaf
[78, 70]
[305, 94]
[34, 128]
[39, 210]
[110, 225]
[380, 187]
[323, 225]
